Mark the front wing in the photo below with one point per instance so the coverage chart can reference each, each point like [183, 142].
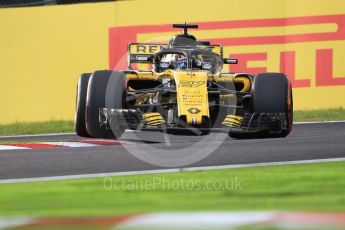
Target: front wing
[272, 123]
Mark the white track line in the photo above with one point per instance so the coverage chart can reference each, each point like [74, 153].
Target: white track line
[317, 122]
[70, 144]
[190, 169]
[10, 147]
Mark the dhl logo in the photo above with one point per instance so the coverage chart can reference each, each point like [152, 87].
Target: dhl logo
[308, 49]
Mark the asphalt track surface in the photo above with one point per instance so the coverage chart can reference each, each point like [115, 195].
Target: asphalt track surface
[306, 142]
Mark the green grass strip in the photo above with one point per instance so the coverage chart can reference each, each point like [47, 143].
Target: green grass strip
[336, 114]
[307, 187]
[21, 128]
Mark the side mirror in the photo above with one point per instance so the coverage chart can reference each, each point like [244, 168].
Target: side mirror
[230, 60]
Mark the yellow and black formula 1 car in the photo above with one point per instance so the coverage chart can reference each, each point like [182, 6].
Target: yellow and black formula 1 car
[185, 90]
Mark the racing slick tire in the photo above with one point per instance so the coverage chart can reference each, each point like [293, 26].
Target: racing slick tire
[272, 93]
[79, 121]
[96, 99]
[115, 98]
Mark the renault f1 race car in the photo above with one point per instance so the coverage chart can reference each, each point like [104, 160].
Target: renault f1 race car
[185, 91]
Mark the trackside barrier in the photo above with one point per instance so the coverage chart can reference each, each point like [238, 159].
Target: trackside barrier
[43, 50]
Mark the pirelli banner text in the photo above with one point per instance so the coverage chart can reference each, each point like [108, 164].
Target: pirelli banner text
[44, 49]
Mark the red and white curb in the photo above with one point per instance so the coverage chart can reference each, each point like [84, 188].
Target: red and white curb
[190, 220]
[59, 144]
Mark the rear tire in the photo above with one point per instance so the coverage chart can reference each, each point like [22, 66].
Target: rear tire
[79, 121]
[272, 93]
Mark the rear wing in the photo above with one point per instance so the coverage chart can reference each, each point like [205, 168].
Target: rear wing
[142, 53]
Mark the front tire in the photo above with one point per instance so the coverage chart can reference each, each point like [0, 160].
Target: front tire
[116, 94]
[272, 93]
[105, 89]
[96, 99]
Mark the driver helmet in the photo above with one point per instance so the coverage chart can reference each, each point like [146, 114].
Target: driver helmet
[181, 63]
[196, 63]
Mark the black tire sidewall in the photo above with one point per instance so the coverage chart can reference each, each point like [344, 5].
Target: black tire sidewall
[96, 99]
[115, 98]
[272, 93]
[80, 110]
[289, 116]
